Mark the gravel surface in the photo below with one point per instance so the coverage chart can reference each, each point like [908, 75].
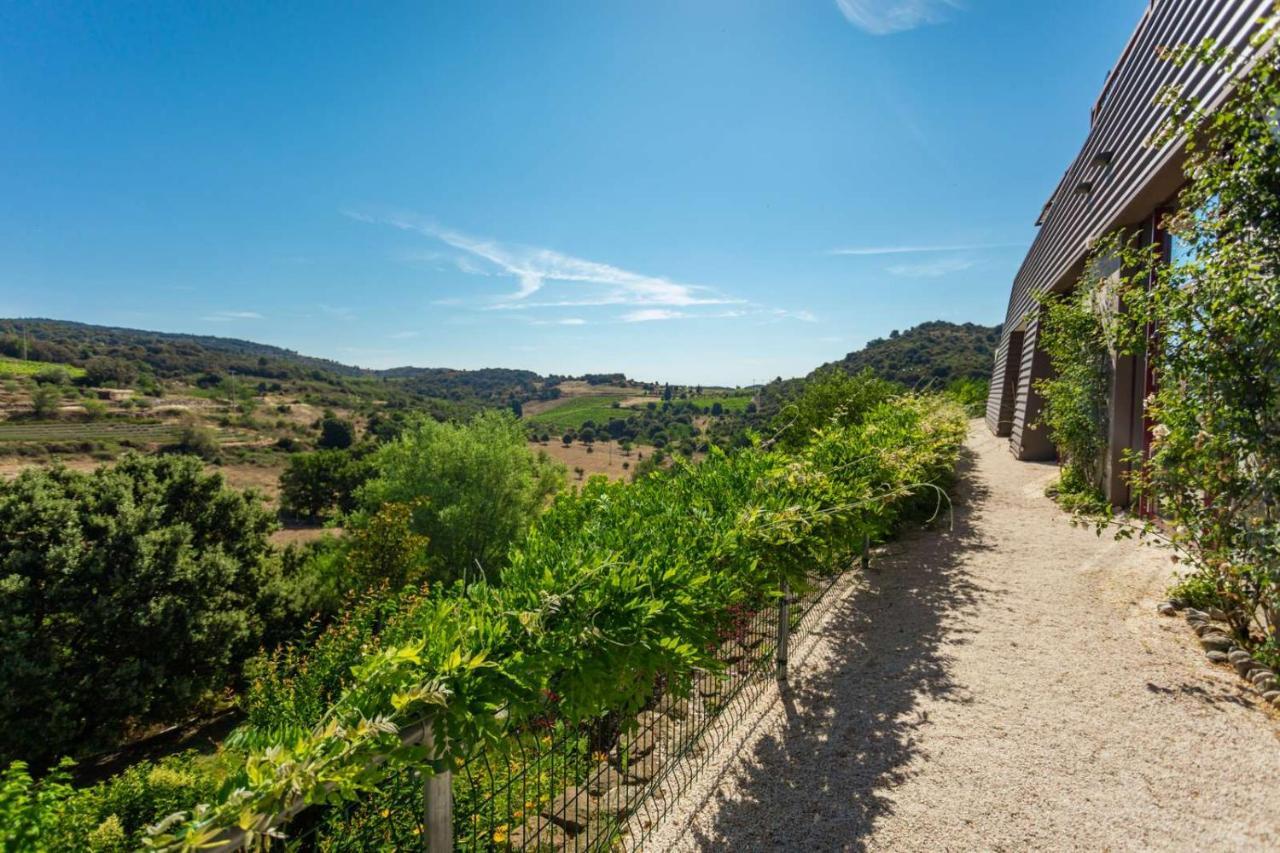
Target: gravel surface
[1003, 685]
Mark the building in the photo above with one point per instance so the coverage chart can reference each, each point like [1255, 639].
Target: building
[1116, 181]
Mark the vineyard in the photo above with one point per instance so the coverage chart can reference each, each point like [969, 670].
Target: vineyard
[141, 433]
[575, 411]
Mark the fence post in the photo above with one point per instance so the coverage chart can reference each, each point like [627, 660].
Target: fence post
[437, 802]
[784, 629]
[866, 549]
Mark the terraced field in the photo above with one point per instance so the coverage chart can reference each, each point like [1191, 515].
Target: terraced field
[145, 433]
[139, 432]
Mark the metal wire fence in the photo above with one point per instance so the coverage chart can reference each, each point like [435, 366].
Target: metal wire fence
[557, 787]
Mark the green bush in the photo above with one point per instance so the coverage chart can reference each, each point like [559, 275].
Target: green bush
[108, 817]
[969, 393]
[198, 440]
[126, 594]
[474, 488]
[1213, 467]
[1076, 396]
[314, 485]
[830, 397]
[336, 433]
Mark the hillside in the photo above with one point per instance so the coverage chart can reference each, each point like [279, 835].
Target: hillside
[937, 351]
[132, 357]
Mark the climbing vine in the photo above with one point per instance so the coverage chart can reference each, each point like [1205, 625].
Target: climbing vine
[1213, 470]
[1076, 395]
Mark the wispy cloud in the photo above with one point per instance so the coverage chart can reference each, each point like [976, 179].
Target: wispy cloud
[861, 251]
[649, 315]
[587, 282]
[930, 269]
[403, 336]
[564, 321]
[229, 316]
[883, 17]
[338, 311]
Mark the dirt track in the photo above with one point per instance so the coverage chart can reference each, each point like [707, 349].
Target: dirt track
[1005, 685]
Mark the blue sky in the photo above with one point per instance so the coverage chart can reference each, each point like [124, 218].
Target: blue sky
[714, 192]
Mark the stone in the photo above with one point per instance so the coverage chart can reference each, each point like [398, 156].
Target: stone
[1216, 656]
[1240, 655]
[1244, 667]
[1217, 643]
[1200, 615]
[1208, 628]
[1166, 609]
[1276, 701]
[1217, 615]
[1271, 696]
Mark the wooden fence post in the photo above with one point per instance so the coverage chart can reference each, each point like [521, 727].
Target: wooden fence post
[784, 629]
[437, 802]
[866, 550]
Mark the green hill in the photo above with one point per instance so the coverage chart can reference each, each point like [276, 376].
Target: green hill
[936, 352]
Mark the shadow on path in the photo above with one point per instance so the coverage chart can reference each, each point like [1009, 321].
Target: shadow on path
[850, 720]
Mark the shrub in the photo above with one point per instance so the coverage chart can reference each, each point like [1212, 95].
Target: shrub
[45, 400]
[52, 376]
[198, 440]
[108, 370]
[314, 485]
[336, 433]
[474, 488]
[969, 393]
[1076, 396]
[1213, 470]
[830, 396]
[128, 592]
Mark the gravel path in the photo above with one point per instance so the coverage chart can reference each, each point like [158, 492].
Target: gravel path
[1003, 685]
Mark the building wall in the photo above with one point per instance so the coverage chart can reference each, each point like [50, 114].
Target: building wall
[1115, 180]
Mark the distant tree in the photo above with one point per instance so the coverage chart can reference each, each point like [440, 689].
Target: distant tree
[314, 485]
[336, 433]
[45, 400]
[586, 435]
[717, 409]
[52, 376]
[567, 439]
[666, 392]
[516, 408]
[196, 439]
[108, 370]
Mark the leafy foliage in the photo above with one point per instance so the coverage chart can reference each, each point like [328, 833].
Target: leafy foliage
[315, 485]
[1076, 395]
[830, 397]
[473, 488]
[1214, 466]
[617, 588]
[125, 594]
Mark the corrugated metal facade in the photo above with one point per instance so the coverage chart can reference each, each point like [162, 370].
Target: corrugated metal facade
[1115, 180]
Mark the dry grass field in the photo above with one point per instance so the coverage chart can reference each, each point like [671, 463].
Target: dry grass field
[605, 458]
